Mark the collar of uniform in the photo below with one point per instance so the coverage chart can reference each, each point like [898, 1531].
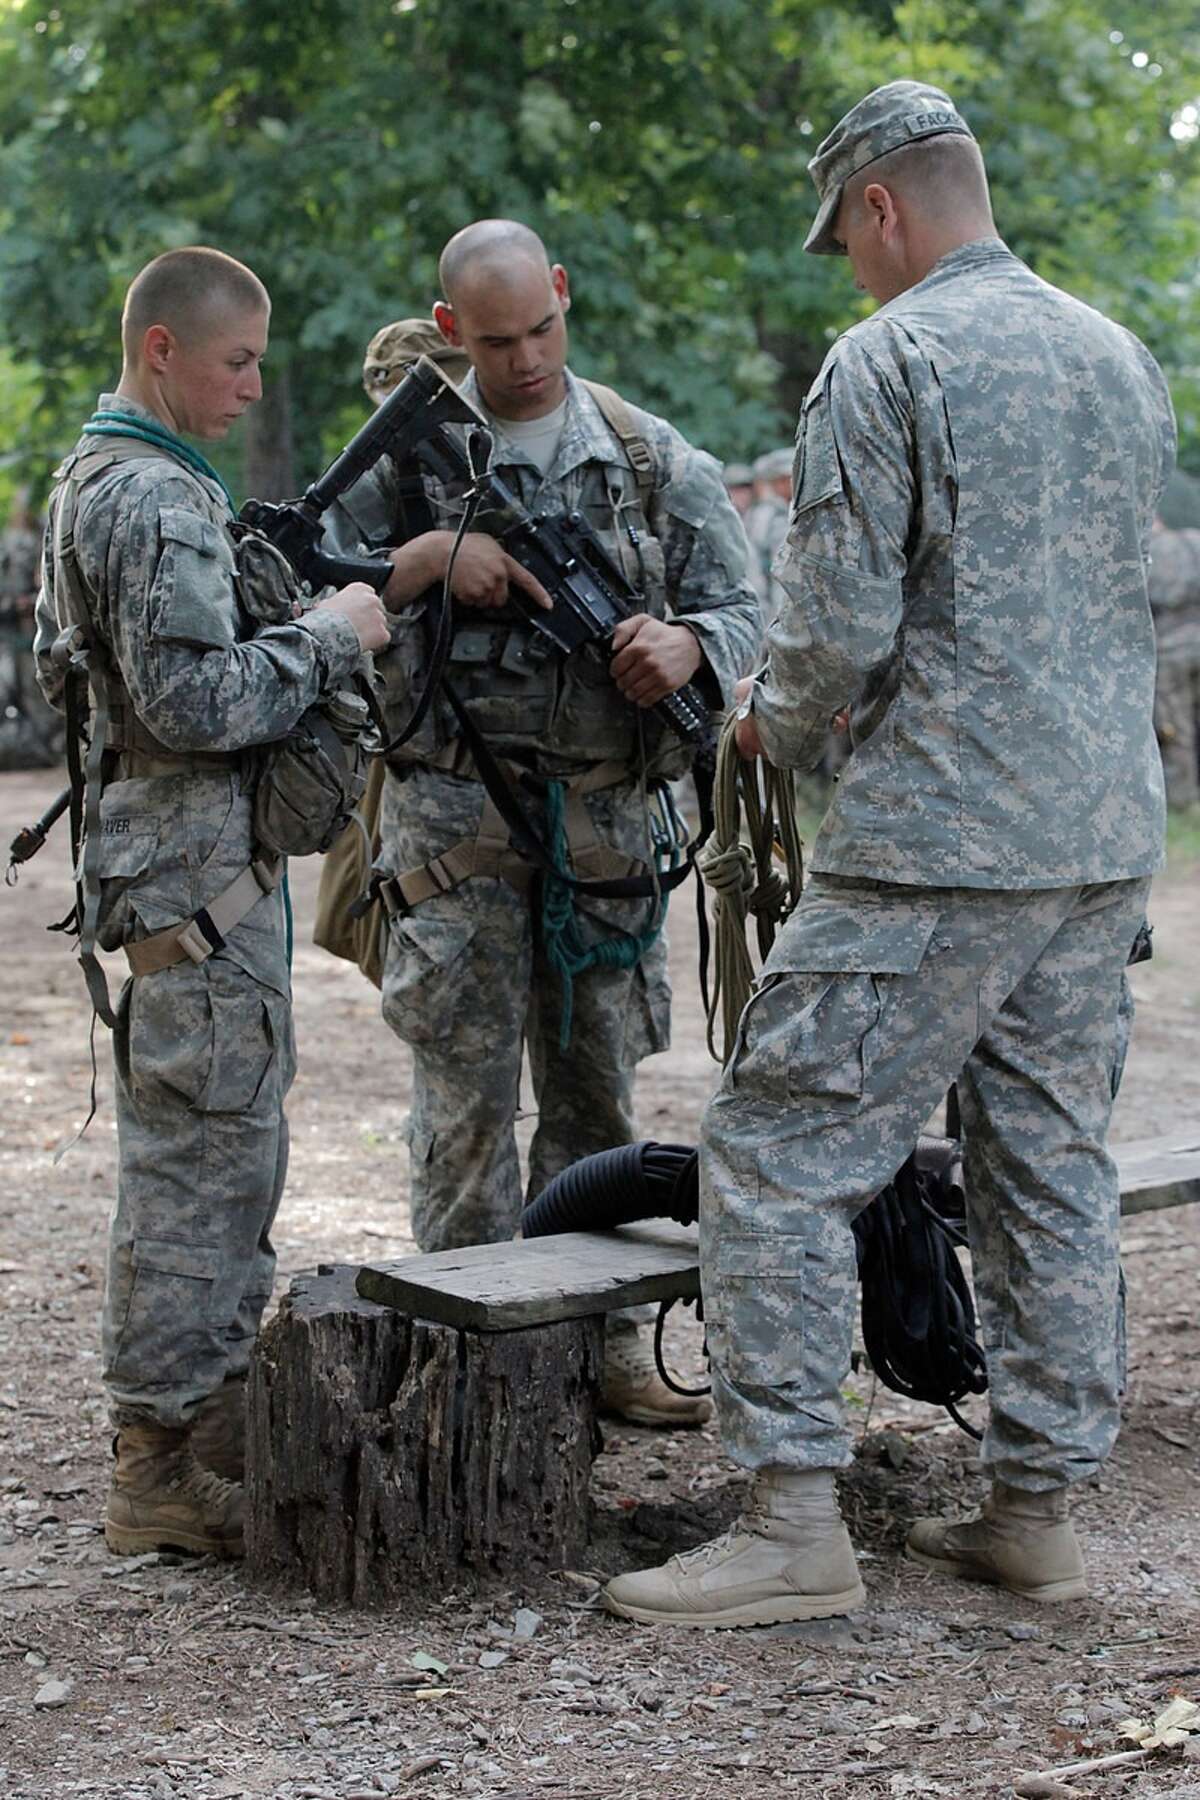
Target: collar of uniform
[586, 436]
[962, 261]
[121, 403]
[970, 256]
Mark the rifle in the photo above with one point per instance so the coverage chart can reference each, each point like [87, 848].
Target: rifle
[591, 594]
[413, 412]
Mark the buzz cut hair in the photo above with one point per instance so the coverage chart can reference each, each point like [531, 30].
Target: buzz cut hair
[494, 242]
[188, 291]
[944, 173]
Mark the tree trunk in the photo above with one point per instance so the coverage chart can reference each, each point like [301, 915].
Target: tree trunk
[388, 1456]
[269, 462]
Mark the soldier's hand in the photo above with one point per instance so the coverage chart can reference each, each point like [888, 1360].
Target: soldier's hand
[651, 659]
[745, 732]
[483, 572]
[362, 606]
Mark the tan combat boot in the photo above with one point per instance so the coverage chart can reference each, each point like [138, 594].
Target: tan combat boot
[633, 1389]
[789, 1557]
[219, 1430]
[1017, 1540]
[161, 1499]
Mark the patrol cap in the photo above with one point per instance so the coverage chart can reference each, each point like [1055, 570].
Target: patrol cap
[774, 464]
[738, 475]
[889, 117]
[395, 348]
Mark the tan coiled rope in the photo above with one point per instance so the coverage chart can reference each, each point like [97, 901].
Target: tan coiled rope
[754, 825]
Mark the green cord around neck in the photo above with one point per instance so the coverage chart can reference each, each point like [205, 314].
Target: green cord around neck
[123, 424]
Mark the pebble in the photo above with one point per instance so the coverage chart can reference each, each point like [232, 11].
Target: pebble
[525, 1622]
[1024, 1634]
[654, 1470]
[491, 1659]
[52, 1693]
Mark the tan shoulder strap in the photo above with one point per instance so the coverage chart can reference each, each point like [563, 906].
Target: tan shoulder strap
[619, 420]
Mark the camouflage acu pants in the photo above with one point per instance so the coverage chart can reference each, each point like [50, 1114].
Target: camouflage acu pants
[466, 984]
[873, 1000]
[203, 1057]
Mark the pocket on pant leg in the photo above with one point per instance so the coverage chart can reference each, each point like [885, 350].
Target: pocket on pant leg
[830, 1046]
[754, 1309]
[249, 1030]
[168, 1321]
[428, 995]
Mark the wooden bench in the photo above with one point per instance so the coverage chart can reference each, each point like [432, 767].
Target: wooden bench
[417, 1424]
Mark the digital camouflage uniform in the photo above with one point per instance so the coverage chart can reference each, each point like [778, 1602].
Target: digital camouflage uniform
[766, 528]
[202, 1052]
[977, 469]
[1175, 601]
[466, 982]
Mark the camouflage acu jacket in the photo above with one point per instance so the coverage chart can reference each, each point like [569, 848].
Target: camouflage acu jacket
[977, 470]
[157, 565]
[687, 552]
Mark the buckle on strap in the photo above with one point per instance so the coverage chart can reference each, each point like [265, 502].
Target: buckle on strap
[199, 937]
[267, 871]
[392, 898]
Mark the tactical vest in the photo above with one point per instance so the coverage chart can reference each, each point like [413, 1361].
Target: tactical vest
[525, 700]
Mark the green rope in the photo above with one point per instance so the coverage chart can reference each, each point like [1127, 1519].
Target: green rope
[123, 424]
[566, 949]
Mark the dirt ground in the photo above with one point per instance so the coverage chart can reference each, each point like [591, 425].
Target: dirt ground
[159, 1677]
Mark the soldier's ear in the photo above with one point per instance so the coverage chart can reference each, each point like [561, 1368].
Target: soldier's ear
[562, 287]
[443, 318]
[158, 342]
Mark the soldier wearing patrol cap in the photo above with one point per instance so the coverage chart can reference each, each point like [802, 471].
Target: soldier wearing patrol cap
[978, 467]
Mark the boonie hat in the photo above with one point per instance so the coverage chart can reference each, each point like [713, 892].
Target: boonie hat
[890, 116]
[737, 475]
[395, 348]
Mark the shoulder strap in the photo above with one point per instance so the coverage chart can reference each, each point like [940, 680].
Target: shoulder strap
[619, 420]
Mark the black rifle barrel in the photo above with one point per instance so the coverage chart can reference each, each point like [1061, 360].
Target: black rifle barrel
[30, 839]
[424, 400]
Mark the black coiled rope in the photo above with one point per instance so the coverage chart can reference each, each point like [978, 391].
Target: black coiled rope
[918, 1318]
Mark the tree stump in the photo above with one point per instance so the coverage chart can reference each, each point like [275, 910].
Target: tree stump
[388, 1456]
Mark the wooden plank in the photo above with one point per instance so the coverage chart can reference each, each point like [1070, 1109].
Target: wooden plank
[1159, 1172]
[504, 1287]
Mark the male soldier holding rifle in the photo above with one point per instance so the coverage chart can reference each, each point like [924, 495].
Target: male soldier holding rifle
[475, 966]
[978, 469]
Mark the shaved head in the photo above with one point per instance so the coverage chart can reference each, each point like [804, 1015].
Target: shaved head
[942, 175]
[506, 307]
[191, 292]
[492, 249]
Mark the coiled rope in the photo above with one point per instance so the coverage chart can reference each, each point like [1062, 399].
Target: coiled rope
[754, 825]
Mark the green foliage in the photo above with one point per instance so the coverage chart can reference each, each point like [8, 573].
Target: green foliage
[660, 149]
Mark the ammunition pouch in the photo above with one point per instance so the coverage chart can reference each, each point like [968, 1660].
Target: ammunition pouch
[310, 782]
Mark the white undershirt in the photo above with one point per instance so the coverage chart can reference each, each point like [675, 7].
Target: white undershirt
[538, 438]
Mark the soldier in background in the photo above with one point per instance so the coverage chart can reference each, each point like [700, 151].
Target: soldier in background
[29, 730]
[767, 521]
[739, 485]
[394, 349]
[1175, 601]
